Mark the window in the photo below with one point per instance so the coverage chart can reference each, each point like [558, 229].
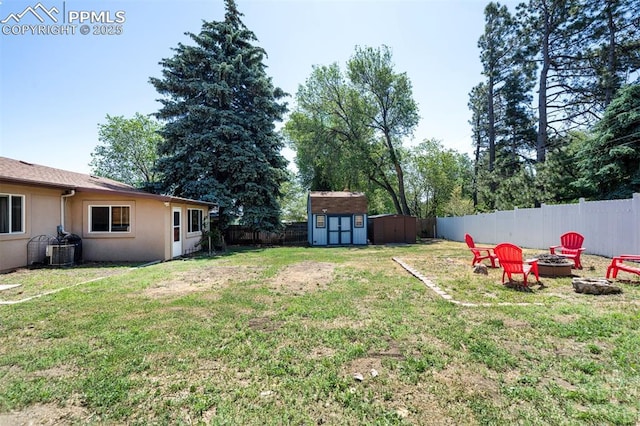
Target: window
[320, 221]
[11, 214]
[358, 221]
[109, 218]
[195, 220]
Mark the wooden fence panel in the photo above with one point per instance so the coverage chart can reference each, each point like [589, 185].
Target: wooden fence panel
[426, 228]
[292, 234]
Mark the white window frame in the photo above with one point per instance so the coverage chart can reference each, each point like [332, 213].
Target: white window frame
[10, 213]
[110, 230]
[358, 218]
[321, 218]
[201, 224]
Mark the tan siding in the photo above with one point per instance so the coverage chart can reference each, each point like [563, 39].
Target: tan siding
[42, 216]
[149, 239]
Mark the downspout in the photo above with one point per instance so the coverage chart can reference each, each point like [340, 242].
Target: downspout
[63, 199]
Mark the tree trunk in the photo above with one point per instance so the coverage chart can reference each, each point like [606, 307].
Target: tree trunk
[611, 58]
[399, 175]
[387, 187]
[491, 118]
[541, 141]
[476, 165]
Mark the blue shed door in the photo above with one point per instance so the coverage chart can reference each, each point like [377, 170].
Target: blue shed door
[339, 230]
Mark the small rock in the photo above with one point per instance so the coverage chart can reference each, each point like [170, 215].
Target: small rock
[480, 269]
[359, 377]
[402, 412]
[595, 286]
[374, 372]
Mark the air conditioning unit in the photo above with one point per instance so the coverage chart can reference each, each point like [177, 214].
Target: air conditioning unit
[60, 254]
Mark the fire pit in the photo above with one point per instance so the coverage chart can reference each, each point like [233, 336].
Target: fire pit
[552, 265]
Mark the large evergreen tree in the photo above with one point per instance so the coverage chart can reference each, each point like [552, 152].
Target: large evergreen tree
[479, 126]
[547, 26]
[605, 52]
[220, 108]
[496, 45]
[610, 160]
[503, 125]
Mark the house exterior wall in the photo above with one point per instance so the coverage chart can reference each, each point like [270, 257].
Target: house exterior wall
[41, 217]
[151, 234]
[149, 237]
[143, 242]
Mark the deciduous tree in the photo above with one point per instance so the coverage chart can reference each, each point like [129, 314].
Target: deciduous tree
[128, 150]
[433, 176]
[347, 129]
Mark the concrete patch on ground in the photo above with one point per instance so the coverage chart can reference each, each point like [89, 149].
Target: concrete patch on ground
[8, 286]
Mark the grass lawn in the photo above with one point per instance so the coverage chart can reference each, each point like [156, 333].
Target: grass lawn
[278, 336]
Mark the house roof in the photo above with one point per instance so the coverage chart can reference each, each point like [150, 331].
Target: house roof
[22, 172]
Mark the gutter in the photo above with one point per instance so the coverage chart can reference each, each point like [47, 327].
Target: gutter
[63, 199]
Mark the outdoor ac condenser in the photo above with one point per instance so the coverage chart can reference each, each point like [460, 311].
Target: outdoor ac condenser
[60, 255]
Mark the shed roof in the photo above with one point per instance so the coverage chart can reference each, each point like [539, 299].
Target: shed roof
[338, 202]
[24, 173]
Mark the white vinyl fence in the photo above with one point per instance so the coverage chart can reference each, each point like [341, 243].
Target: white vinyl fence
[610, 228]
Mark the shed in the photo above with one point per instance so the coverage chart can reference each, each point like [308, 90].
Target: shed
[337, 218]
[392, 228]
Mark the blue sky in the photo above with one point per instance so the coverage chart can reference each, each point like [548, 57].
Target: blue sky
[56, 89]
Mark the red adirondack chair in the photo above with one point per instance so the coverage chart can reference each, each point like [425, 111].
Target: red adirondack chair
[618, 264]
[510, 257]
[570, 247]
[480, 253]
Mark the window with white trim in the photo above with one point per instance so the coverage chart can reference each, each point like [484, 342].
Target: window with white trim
[109, 218]
[11, 214]
[358, 221]
[321, 221]
[195, 220]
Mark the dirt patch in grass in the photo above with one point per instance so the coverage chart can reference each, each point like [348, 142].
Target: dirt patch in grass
[303, 277]
[371, 365]
[45, 414]
[473, 383]
[373, 376]
[202, 279]
[264, 324]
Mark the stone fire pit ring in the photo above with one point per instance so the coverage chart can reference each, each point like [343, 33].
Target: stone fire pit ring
[553, 266]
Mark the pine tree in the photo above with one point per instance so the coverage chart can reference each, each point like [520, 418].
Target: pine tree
[547, 26]
[479, 124]
[507, 130]
[497, 45]
[610, 160]
[220, 143]
[610, 54]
